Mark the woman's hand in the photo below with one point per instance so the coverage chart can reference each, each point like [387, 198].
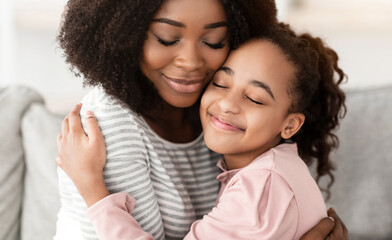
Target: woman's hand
[328, 229]
[83, 157]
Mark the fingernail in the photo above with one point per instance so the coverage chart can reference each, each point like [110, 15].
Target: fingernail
[89, 114]
[333, 220]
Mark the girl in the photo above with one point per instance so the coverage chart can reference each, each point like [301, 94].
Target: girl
[150, 61]
[273, 102]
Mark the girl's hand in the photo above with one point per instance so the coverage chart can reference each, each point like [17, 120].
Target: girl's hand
[83, 157]
[328, 229]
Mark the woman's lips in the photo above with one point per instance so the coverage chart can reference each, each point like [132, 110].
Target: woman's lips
[185, 85]
[225, 125]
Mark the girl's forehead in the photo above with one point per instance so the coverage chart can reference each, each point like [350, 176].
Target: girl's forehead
[261, 60]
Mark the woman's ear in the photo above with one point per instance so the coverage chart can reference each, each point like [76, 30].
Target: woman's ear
[292, 125]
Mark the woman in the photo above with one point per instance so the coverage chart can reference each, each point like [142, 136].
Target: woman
[150, 61]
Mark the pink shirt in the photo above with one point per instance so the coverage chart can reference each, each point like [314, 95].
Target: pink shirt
[274, 197]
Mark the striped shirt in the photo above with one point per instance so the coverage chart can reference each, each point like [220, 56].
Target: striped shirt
[173, 183]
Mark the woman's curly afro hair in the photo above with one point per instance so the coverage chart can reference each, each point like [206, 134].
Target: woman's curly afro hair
[103, 41]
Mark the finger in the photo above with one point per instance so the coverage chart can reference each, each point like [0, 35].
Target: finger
[65, 127]
[345, 231]
[340, 229]
[92, 126]
[58, 161]
[320, 231]
[75, 124]
[58, 142]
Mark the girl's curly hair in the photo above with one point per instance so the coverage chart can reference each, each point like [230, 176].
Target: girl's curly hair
[316, 93]
[103, 41]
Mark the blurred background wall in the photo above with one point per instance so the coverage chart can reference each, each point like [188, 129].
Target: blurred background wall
[360, 31]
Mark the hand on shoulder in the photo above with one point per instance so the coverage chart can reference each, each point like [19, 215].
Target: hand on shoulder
[82, 156]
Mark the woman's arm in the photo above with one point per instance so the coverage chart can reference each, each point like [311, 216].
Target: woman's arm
[330, 228]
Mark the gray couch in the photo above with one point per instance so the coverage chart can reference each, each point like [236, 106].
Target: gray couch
[29, 199]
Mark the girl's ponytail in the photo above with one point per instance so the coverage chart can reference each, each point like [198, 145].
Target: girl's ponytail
[326, 107]
[316, 93]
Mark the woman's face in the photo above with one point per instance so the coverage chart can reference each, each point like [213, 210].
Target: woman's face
[244, 110]
[187, 42]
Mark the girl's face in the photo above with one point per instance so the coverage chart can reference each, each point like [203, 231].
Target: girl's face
[187, 42]
[244, 111]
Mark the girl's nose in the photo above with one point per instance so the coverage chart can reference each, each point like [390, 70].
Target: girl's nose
[189, 58]
[230, 104]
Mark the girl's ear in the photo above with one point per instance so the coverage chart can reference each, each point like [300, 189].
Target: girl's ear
[292, 125]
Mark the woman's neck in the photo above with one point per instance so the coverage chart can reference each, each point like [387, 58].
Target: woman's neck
[178, 125]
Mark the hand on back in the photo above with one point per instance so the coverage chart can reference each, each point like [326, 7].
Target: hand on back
[328, 229]
[82, 156]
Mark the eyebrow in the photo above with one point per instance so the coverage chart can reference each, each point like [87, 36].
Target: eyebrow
[181, 25]
[253, 82]
[215, 25]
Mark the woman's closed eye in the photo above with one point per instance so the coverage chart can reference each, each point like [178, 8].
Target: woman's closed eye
[166, 43]
[219, 45]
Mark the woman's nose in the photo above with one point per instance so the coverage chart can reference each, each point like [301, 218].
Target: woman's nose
[189, 58]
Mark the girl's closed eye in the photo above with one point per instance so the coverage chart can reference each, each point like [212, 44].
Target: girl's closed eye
[255, 101]
[218, 85]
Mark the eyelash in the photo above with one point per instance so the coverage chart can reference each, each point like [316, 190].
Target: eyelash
[217, 85]
[215, 46]
[168, 44]
[256, 102]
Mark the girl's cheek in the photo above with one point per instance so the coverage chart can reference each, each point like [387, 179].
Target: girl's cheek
[208, 97]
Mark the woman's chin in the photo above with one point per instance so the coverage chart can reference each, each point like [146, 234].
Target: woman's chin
[183, 101]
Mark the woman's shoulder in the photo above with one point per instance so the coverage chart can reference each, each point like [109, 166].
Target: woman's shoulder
[108, 110]
[97, 96]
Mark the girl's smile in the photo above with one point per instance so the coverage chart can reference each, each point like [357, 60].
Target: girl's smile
[245, 109]
[223, 124]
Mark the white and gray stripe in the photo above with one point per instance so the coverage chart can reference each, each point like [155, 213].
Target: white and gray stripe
[173, 184]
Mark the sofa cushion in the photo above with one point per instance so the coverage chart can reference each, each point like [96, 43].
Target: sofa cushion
[13, 103]
[41, 196]
[362, 192]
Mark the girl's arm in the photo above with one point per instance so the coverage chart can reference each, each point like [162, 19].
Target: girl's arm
[86, 171]
[112, 219]
[82, 159]
[86, 168]
[110, 214]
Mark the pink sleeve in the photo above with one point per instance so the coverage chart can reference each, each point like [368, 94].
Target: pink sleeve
[258, 204]
[112, 219]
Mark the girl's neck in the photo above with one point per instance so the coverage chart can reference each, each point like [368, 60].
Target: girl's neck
[243, 159]
[178, 125]
[234, 161]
